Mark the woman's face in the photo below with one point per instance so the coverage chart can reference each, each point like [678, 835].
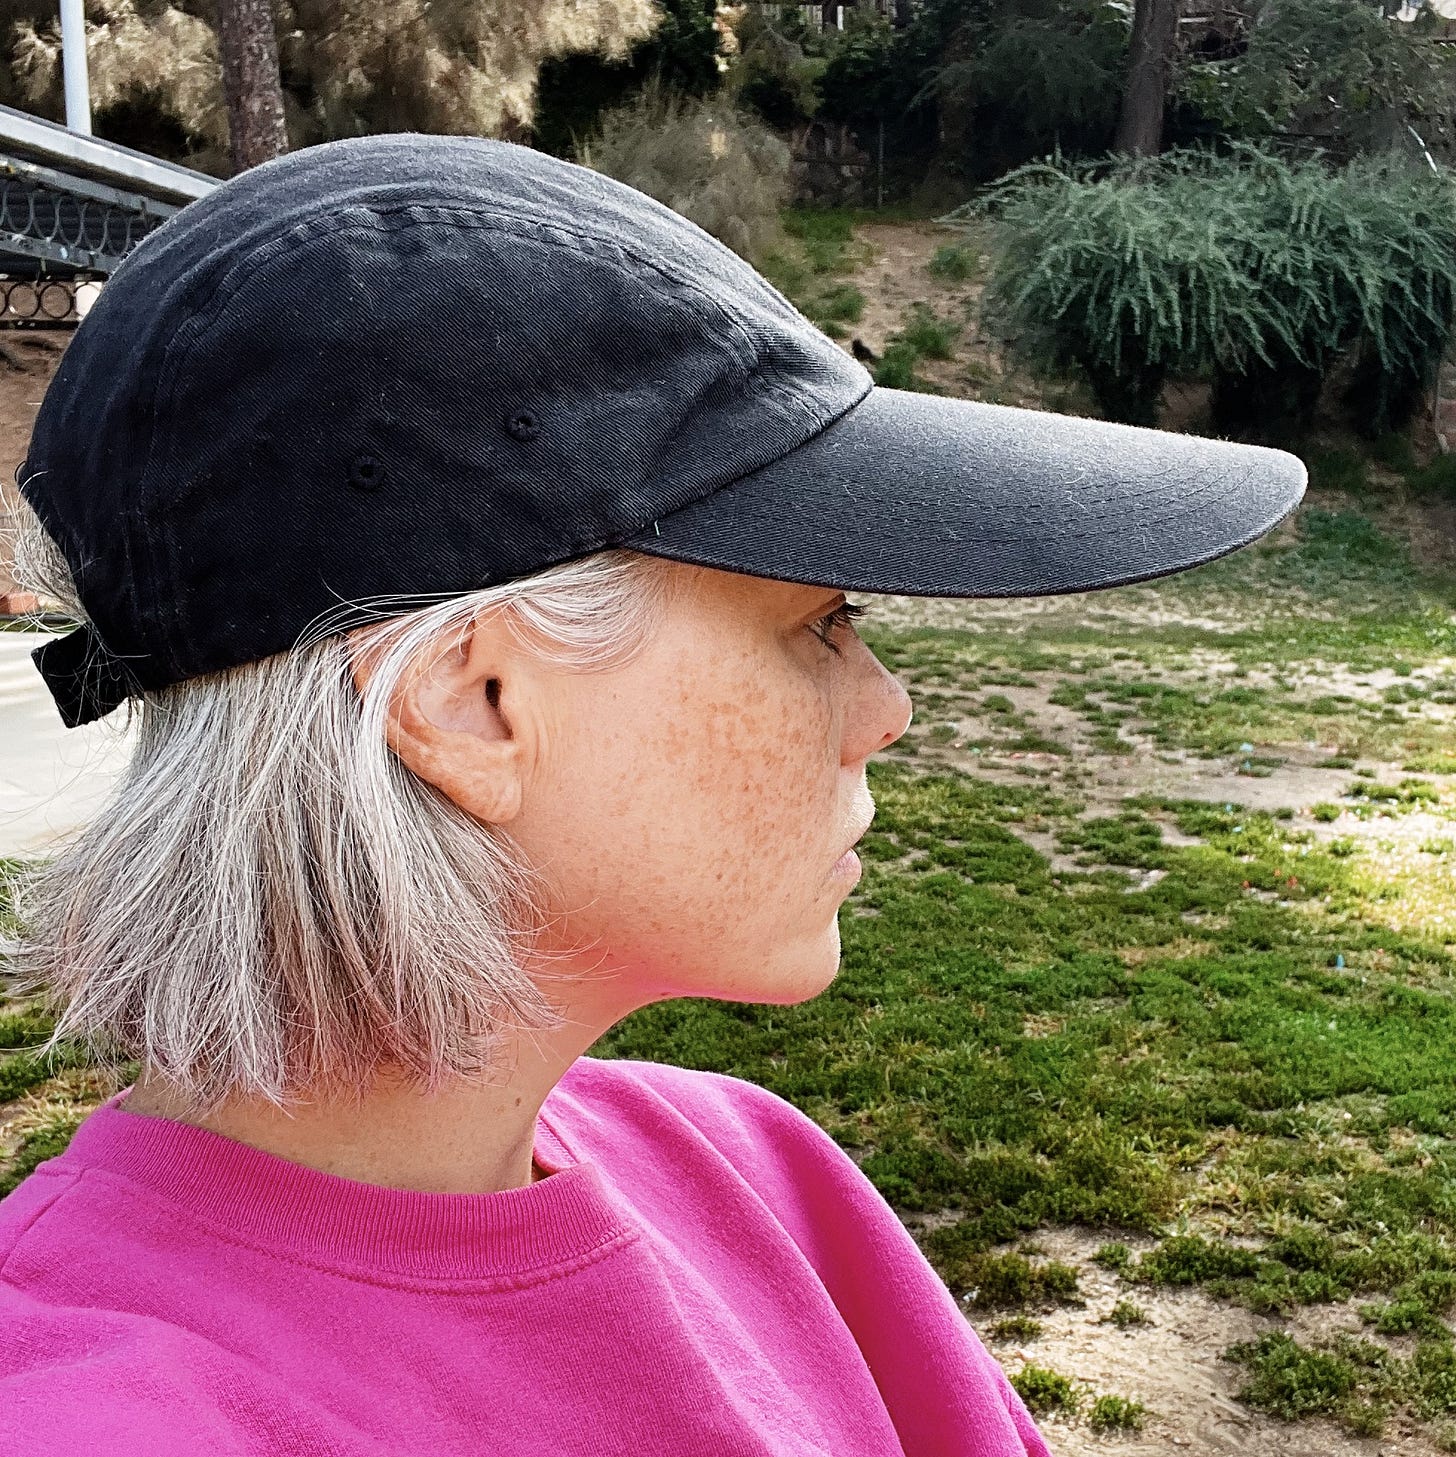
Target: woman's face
[691, 810]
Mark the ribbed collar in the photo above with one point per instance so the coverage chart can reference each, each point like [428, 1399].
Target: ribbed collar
[353, 1227]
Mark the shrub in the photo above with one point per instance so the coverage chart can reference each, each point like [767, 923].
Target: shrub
[927, 334]
[1117, 1414]
[1259, 273]
[896, 368]
[574, 90]
[1044, 1391]
[46, 1142]
[1126, 1314]
[991, 1281]
[1338, 68]
[699, 156]
[775, 73]
[1289, 1380]
[1438, 478]
[844, 304]
[924, 336]
[1187, 1259]
[955, 263]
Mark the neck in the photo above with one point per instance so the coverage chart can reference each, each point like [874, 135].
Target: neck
[466, 1138]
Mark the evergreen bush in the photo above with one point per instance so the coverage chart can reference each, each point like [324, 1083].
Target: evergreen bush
[1246, 269]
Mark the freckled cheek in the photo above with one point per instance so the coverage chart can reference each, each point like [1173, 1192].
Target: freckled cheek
[766, 778]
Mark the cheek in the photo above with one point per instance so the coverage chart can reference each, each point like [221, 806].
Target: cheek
[701, 817]
[763, 774]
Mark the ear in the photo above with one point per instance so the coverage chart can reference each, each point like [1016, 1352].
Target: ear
[450, 720]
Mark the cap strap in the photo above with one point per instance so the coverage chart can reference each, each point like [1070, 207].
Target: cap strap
[84, 678]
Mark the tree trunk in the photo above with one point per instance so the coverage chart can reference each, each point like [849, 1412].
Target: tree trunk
[251, 84]
[904, 13]
[1150, 70]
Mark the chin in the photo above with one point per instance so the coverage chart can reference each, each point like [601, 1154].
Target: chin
[807, 978]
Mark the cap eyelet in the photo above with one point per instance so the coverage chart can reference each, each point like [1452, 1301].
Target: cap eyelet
[367, 472]
[523, 425]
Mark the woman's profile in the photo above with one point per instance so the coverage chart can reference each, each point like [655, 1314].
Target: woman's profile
[468, 537]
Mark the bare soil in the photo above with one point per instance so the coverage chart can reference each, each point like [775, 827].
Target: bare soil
[28, 359]
[1174, 1366]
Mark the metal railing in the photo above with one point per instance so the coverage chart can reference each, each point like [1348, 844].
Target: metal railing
[71, 208]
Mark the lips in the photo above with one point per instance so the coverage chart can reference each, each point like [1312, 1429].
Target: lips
[858, 837]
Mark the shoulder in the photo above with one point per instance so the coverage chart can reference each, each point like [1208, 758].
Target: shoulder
[727, 1110]
[634, 1115]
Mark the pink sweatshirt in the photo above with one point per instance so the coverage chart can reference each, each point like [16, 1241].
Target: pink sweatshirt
[706, 1273]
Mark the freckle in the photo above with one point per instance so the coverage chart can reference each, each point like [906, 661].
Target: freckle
[518, 1102]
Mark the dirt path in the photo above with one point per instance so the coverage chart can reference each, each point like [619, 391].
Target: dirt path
[898, 277]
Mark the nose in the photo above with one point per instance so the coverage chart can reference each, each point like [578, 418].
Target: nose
[880, 712]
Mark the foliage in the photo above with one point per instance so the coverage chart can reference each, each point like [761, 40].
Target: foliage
[1290, 1380]
[701, 157]
[573, 91]
[1342, 70]
[1039, 75]
[879, 75]
[955, 263]
[1126, 1314]
[989, 1281]
[779, 63]
[923, 335]
[895, 369]
[871, 73]
[1116, 1414]
[927, 334]
[347, 67]
[46, 1142]
[1260, 273]
[818, 249]
[1044, 1391]
[978, 86]
[1354, 1381]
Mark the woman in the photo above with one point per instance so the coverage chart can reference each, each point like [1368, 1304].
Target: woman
[471, 534]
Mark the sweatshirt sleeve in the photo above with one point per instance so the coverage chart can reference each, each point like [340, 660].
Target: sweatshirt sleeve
[945, 1393]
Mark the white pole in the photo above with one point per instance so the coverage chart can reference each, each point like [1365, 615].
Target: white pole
[73, 64]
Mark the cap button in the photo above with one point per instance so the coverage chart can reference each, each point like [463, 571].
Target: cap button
[367, 472]
[523, 425]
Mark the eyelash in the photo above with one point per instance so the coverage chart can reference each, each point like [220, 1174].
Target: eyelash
[840, 617]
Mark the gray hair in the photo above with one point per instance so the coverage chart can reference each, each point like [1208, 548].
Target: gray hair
[269, 903]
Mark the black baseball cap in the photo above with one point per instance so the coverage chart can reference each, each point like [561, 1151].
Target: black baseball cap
[410, 366]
